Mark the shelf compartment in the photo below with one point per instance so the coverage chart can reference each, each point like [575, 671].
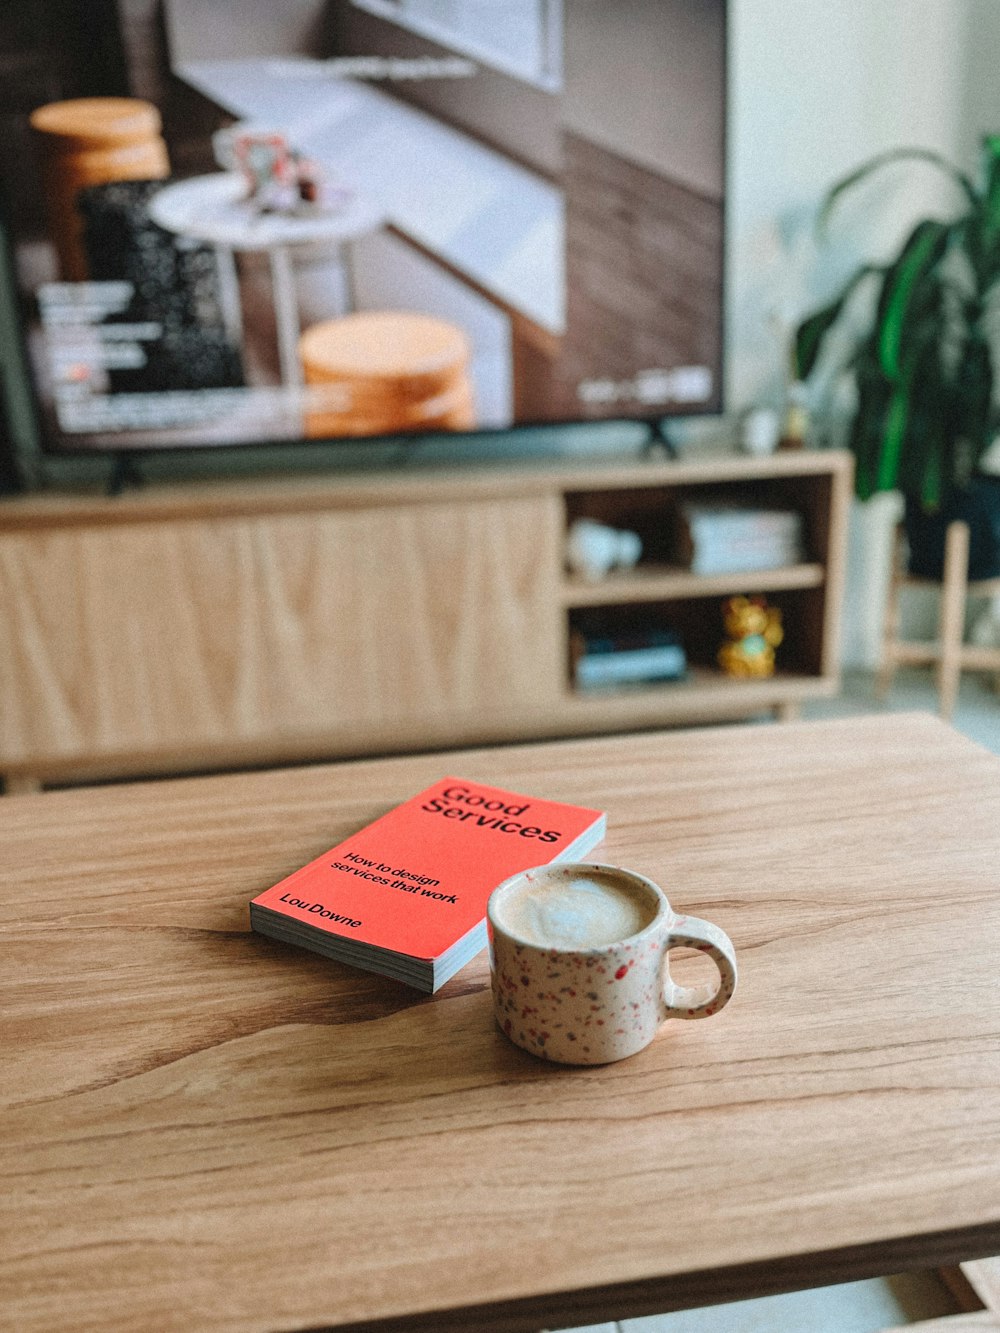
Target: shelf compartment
[705, 694]
[654, 512]
[698, 621]
[654, 583]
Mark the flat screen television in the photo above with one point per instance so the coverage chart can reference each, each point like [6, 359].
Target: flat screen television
[351, 220]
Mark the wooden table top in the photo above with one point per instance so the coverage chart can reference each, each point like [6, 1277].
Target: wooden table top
[201, 1128]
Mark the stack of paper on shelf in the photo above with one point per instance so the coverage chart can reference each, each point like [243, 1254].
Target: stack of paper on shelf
[724, 539]
[406, 895]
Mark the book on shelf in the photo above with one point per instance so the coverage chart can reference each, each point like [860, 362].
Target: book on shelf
[654, 655]
[733, 539]
[406, 895]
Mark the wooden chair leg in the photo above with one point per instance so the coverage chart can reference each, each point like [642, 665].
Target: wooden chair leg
[952, 616]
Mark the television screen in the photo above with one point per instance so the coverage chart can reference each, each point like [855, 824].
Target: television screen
[350, 219]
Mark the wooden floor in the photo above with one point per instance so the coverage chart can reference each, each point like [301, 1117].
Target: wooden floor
[976, 715]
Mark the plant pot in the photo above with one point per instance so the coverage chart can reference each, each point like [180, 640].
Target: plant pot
[978, 506]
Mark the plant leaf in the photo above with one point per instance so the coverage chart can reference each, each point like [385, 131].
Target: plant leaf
[926, 449]
[932, 477]
[884, 159]
[920, 255]
[811, 332]
[896, 421]
[973, 398]
[867, 429]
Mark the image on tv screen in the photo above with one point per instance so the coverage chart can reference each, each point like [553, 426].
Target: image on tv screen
[354, 219]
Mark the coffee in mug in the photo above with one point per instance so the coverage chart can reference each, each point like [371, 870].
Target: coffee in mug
[579, 957]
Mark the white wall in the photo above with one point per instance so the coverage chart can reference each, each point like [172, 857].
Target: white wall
[815, 88]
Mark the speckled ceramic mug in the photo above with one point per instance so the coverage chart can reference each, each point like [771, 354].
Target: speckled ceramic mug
[579, 956]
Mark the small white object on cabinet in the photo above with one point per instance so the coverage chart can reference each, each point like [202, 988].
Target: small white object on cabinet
[593, 549]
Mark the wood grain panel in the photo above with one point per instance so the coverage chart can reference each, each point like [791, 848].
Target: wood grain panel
[200, 1128]
[163, 635]
[643, 279]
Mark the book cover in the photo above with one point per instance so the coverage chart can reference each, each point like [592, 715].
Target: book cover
[406, 895]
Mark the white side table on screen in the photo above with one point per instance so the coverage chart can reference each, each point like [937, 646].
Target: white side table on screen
[213, 210]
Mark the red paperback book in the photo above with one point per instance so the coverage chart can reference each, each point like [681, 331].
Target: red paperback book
[406, 895]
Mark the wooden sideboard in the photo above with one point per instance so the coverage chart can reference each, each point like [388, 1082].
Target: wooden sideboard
[229, 624]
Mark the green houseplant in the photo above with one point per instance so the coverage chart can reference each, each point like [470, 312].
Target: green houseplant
[924, 369]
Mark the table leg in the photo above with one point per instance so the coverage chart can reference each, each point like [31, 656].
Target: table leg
[787, 711]
[286, 314]
[229, 294]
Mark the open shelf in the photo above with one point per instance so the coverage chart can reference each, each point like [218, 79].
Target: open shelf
[705, 694]
[664, 601]
[651, 582]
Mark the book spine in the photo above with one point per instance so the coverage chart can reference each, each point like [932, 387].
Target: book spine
[704, 530]
[643, 664]
[741, 564]
[764, 524]
[720, 557]
[735, 541]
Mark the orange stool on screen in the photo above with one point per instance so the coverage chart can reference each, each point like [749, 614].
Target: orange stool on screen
[90, 141]
[389, 372]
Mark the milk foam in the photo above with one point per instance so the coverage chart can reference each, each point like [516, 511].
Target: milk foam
[582, 912]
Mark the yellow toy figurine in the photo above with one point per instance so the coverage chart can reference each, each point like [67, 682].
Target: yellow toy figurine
[754, 631]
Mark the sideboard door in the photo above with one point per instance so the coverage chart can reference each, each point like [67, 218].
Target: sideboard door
[336, 630]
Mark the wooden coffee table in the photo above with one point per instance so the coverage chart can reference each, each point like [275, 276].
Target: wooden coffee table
[203, 1129]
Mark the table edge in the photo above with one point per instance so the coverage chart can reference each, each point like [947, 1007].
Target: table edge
[639, 1297]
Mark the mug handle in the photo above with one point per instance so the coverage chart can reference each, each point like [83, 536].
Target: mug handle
[698, 1001]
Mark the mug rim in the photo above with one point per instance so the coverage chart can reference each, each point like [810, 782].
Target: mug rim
[664, 912]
